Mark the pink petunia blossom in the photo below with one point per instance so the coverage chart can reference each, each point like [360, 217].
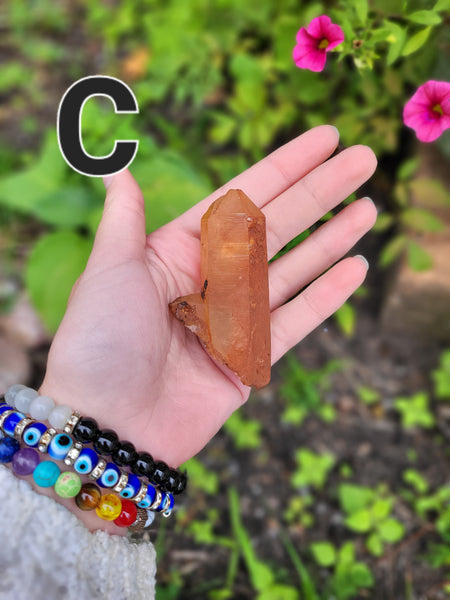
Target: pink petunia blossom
[428, 111]
[314, 42]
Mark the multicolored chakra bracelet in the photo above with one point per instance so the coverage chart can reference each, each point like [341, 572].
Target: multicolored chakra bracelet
[85, 461]
[26, 461]
[106, 442]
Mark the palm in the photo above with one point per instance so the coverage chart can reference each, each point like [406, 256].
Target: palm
[121, 357]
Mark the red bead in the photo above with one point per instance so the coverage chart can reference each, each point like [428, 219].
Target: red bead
[128, 515]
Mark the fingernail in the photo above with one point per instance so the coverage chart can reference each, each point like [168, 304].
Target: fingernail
[336, 129]
[363, 259]
[107, 180]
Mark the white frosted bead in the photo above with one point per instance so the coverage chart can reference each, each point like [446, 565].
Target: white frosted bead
[23, 398]
[59, 415]
[12, 391]
[41, 407]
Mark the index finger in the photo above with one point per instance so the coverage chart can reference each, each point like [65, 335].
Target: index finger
[272, 175]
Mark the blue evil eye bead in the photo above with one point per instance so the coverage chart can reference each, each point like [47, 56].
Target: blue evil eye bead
[11, 421]
[149, 498]
[4, 407]
[46, 473]
[33, 434]
[132, 488]
[86, 462]
[166, 503]
[60, 446]
[110, 476]
[8, 447]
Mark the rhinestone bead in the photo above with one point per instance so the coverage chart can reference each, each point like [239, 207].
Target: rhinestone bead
[8, 447]
[25, 461]
[59, 416]
[88, 497]
[128, 514]
[46, 473]
[73, 454]
[86, 430]
[72, 422]
[106, 442]
[124, 454]
[40, 407]
[46, 439]
[143, 464]
[98, 470]
[23, 398]
[68, 485]
[21, 426]
[109, 507]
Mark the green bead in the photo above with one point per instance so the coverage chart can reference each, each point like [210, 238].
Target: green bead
[68, 485]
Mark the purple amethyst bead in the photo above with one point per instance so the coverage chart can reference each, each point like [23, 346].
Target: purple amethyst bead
[25, 461]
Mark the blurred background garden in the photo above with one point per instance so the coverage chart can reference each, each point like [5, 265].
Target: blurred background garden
[333, 482]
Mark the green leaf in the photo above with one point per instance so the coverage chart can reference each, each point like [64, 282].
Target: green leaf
[368, 395]
[55, 263]
[360, 521]
[425, 17]
[407, 169]
[381, 508]
[374, 544]
[312, 468]
[392, 250]
[324, 553]
[383, 222]
[396, 39]
[416, 480]
[346, 318]
[441, 377]
[429, 192]
[278, 592]
[202, 478]
[391, 530]
[354, 497]
[362, 9]
[362, 575]
[416, 41]
[422, 220]
[442, 5]
[415, 411]
[246, 433]
[418, 258]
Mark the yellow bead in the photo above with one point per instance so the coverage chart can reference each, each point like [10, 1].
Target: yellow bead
[109, 507]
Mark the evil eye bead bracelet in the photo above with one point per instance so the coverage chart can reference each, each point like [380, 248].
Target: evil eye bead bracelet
[106, 442]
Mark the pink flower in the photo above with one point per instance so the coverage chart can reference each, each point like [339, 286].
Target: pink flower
[428, 111]
[313, 43]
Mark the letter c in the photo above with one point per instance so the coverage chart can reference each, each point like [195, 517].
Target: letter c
[69, 125]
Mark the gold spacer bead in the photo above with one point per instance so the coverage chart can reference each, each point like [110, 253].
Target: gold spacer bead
[21, 426]
[122, 483]
[157, 501]
[72, 421]
[141, 493]
[98, 471]
[46, 438]
[73, 454]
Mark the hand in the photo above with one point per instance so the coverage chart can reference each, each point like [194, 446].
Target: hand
[121, 357]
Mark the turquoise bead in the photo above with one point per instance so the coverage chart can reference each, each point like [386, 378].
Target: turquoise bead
[46, 473]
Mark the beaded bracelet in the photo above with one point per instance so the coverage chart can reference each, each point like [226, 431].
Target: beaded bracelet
[106, 442]
[85, 461]
[26, 461]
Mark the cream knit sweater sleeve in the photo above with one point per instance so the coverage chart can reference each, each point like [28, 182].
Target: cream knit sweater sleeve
[46, 553]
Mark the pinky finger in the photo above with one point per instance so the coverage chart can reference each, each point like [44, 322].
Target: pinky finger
[293, 321]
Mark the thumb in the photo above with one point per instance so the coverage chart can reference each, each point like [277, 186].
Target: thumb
[121, 233]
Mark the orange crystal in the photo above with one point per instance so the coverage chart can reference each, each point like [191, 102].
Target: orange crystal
[231, 315]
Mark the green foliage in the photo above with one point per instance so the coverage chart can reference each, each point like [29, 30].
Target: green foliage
[312, 469]
[441, 377]
[201, 477]
[416, 481]
[349, 575]
[415, 411]
[303, 390]
[246, 433]
[368, 511]
[298, 511]
[368, 395]
[346, 318]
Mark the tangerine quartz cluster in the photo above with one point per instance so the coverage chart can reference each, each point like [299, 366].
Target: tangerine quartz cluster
[231, 314]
